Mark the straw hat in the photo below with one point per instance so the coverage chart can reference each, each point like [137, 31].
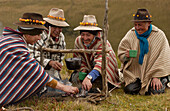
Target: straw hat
[31, 20]
[142, 15]
[56, 17]
[89, 23]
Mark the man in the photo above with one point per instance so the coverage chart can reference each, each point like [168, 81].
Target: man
[147, 71]
[91, 62]
[20, 74]
[53, 38]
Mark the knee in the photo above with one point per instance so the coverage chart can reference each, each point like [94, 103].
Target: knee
[133, 88]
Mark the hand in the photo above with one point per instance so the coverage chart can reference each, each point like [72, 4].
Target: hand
[84, 70]
[66, 88]
[86, 84]
[156, 83]
[127, 53]
[56, 65]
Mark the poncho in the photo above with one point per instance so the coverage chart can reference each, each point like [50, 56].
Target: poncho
[93, 60]
[20, 75]
[156, 63]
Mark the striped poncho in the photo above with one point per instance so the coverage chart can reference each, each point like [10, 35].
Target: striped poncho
[20, 75]
[93, 60]
[156, 63]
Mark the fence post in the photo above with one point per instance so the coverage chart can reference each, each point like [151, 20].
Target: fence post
[104, 43]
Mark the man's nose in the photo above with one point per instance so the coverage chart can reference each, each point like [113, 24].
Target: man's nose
[85, 37]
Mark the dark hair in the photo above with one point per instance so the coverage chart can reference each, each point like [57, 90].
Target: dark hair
[47, 24]
[90, 31]
[34, 31]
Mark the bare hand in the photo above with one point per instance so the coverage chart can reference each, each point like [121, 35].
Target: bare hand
[86, 84]
[84, 70]
[70, 89]
[127, 53]
[67, 89]
[56, 65]
[156, 83]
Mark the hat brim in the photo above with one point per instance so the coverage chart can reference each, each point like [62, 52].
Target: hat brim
[57, 22]
[141, 20]
[87, 28]
[30, 25]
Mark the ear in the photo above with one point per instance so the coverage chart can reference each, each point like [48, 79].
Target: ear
[148, 23]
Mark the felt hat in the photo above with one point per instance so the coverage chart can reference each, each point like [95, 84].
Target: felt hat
[31, 20]
[89, 23]
[56, 17]
[142, 15]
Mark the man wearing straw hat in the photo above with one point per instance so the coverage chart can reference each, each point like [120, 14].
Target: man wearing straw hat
[145, 56]
[90, 38]
[21, 75]
[53, 38]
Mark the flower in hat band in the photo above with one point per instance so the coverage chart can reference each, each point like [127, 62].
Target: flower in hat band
[142, 17]
[30, 21]
[88, 24]
[58, 18]
[146, 15]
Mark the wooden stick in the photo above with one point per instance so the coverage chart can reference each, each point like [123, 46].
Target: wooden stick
[69, 50]
[104, 37]
[41, 56]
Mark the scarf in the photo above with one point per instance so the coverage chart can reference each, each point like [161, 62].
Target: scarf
[144, 45]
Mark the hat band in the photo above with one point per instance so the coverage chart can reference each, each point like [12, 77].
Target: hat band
[30, 21]
[142, 17]
[88, 24]
[58, 18]
[146, 15]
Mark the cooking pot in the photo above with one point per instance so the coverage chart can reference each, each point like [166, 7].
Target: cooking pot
[73, 63]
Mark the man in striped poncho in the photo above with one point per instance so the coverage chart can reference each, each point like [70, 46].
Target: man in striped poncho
[146, 71]
[91, 62]
[20, 75]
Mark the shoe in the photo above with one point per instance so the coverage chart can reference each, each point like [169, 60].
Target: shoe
[133, 88]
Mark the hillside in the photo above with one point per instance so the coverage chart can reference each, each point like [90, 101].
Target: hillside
[120, 14]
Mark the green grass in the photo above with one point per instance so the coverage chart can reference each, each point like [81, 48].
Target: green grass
[117, 102]
[120, 14]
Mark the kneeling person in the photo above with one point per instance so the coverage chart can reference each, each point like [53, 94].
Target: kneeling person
[91, 62]
[147, 72]
[21, 75]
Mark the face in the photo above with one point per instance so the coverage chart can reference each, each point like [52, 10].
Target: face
[55, 31]
[87, 37]
[32, 39]
[141, 27]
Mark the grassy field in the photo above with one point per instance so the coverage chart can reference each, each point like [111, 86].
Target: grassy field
[117, 102]
[120, 14]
